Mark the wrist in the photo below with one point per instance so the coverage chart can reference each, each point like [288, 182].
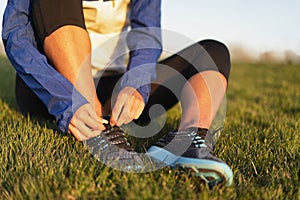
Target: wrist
[139, 80]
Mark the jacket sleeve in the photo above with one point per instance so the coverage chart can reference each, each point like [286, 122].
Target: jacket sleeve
[144, 43]
[56, 92]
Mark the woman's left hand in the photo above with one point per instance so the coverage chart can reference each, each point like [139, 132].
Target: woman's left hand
[129, 106]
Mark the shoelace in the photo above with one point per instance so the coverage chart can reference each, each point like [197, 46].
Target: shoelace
[117, 137]
[112, 148]
[112, 134]
[197, 135]
[199, 138]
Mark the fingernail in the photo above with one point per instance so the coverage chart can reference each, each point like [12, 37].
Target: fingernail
[112, 121]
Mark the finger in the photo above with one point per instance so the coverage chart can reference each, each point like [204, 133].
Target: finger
[89, 119]
[112, 121]
[76, 133]
[100, 120]
[125, 115]
[132, 109]
[89, 131]
[136, 113]
[118, 107]
[81, 136]
[92, 119]
[85, 125]
[94, 115]
[83, 132]
[136, 108]
[122, 116]
[101, 123]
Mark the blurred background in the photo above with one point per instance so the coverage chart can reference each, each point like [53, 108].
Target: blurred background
[254, 30]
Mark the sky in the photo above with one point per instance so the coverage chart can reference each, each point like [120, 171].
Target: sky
[258, 25]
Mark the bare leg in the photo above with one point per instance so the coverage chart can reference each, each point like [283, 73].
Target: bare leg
[69, 48]
[201, 98]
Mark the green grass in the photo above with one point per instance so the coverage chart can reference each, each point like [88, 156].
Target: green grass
[260, 142]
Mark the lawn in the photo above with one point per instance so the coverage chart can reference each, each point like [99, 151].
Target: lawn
[260, 141]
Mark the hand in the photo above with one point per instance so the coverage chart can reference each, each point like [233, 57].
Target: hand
[129, 106]
[86, 124]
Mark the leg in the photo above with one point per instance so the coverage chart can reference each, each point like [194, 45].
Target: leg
[208, 83]
[60, 28]
[206, 67]
[205, 90]
[68, 48]
[28, 102]
[191, 147]
[66, 43]
[201, 98]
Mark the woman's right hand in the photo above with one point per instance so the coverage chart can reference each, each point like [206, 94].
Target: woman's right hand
[86, 123]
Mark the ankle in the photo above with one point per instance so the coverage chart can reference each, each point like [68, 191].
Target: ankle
[186, 125]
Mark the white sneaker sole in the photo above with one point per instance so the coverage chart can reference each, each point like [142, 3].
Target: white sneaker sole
[206, 169]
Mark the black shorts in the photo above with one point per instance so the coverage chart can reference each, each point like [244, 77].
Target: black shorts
[49, 15]
[218, 52]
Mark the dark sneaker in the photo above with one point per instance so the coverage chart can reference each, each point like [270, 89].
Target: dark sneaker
[112, 148]
[191, 149]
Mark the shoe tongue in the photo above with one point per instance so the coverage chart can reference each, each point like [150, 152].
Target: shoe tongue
[206, 135]
[202, 132]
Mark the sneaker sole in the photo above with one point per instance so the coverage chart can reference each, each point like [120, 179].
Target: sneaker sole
[210, 171]
[162, 155]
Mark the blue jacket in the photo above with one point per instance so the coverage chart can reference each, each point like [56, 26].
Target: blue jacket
[56, 92]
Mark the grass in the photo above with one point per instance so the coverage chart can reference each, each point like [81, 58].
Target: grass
[260, 142]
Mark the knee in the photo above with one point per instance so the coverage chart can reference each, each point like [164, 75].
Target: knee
[214, 46]
[219, 53]
[49, 15]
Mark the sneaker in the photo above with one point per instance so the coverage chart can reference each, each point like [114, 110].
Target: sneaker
[192, 150]
[112, 148]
